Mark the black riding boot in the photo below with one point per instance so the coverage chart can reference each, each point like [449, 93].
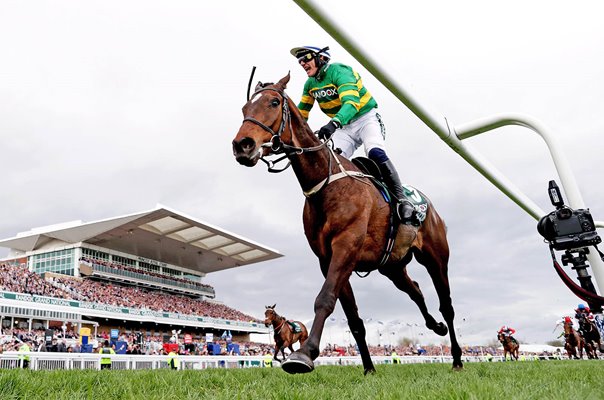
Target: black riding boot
[405, 210]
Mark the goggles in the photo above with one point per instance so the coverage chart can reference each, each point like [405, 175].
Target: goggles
[306, 57]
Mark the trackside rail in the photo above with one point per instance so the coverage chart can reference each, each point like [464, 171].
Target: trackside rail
[73, 361]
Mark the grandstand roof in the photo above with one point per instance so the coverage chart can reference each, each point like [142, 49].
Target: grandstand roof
[160, 234]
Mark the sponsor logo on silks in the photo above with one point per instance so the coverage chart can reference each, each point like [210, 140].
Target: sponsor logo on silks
[320, 93]
[418, 201]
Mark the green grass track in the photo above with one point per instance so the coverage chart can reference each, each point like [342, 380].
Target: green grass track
[510, 380]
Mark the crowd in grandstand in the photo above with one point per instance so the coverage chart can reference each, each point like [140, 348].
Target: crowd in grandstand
[137, 343]
[155, 345]
[93, 261]
[20, 280]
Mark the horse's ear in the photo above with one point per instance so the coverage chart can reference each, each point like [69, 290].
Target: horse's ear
[283, 81]
[259, 85]
[274, 305]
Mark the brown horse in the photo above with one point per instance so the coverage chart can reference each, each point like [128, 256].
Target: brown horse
[591, 336]
[573, 341]
[510, 346]
[285, 336]
[346, 223]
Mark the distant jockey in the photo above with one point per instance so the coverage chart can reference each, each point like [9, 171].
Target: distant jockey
[508, 331]
[583, 316]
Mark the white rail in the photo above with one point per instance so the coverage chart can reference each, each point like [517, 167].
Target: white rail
[70, 361]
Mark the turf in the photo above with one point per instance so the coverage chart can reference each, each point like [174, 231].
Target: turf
[511, 380]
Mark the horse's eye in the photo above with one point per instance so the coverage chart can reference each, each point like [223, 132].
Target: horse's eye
[275, 102]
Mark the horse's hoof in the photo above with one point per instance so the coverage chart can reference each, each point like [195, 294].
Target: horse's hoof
[298, 363]
[370, 371]
[441, 329]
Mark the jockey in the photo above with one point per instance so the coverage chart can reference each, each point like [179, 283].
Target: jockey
[583, 315]
[579, 311]
[508, 331]
[342, 96]
[583, 312]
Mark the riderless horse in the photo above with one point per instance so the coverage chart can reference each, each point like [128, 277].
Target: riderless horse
[573, 341]
[286, 332]
[347, 223]
[509, 346]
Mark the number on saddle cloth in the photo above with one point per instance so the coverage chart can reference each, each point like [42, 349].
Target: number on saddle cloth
[295, 326]
[369, 167]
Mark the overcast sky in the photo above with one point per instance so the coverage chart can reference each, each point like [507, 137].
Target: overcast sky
[110, 107]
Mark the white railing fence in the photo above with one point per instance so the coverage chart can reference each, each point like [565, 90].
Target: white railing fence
[69, 361]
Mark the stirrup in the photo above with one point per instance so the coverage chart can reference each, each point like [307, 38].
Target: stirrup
[406, 213]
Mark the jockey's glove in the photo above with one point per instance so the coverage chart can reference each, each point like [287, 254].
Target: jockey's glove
[327, 130]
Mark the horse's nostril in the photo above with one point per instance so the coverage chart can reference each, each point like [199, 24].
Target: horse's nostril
[247, 144]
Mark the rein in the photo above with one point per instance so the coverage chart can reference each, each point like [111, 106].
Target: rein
[277, 146]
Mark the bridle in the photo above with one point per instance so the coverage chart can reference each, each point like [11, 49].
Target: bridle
[277, 145]
[275, 317]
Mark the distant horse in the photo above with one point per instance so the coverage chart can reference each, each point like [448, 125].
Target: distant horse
[285, 336]
[347, 223]
[591, 336]
[509, 346]
[573, 342]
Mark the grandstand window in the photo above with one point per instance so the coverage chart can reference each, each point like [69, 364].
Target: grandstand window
[124, 261]
[60, 261]
[170, 271]
[148, 267]
[94, 254]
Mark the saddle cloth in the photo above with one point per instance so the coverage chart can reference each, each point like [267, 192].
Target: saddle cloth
[295, 326]
[415, 197]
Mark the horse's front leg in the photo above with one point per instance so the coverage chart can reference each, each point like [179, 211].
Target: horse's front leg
[338, 272]
[286, 345]
[355, 323]
[276, 355]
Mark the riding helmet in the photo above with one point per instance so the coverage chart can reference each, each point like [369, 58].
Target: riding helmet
[321, 55]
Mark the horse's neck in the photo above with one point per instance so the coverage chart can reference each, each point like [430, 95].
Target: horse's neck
[311, 167]
[570, 331]
[278, 320]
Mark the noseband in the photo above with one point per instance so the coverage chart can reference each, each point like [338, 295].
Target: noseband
[276, 145]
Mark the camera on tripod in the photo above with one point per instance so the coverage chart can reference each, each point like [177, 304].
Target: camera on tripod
[566, 228]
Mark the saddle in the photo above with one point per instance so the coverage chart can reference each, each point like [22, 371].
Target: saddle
[414, 196]
[295, 326]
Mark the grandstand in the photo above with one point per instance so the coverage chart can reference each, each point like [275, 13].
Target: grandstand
[141, 273]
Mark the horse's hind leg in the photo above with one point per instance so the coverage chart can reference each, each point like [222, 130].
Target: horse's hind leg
[355, 323]
[435, 256]
[403, 282]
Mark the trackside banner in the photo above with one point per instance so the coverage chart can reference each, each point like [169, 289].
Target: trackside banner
[115, 309]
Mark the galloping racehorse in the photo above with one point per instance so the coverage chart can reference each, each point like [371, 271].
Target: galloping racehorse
[573, 342]
[509, 346]
[285, 336]
[346, 222]
[591, 336]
